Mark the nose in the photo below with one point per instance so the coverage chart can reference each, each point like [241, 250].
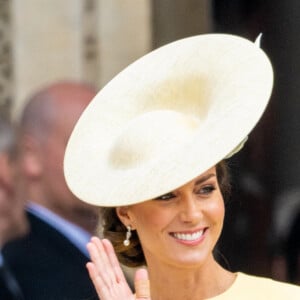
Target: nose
[190, 209]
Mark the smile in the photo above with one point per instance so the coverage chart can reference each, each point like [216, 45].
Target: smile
[189, 237]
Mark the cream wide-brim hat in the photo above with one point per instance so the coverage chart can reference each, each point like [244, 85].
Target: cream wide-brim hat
[167, 118]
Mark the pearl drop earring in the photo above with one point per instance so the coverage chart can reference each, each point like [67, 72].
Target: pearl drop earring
[126, 242]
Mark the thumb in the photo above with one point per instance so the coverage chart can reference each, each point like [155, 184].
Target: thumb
[142, 285]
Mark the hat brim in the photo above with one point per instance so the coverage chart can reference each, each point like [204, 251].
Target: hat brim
[224, 80]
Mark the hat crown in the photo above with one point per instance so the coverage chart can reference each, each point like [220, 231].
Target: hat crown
[150, 134]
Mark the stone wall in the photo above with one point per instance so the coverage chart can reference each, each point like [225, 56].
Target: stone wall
[89, 40]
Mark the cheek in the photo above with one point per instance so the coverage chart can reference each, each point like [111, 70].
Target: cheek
[53, 161]
[150, 219]
[216, 210]
[150, 225]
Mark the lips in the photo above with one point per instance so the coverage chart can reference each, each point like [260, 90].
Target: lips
[189, 236]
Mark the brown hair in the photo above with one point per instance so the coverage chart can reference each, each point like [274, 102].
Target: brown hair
[115, 230]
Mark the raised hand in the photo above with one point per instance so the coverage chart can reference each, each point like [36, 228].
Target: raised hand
[107, 275]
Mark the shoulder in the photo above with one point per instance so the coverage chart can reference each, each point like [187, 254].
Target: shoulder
[268, 288]
[42, 243]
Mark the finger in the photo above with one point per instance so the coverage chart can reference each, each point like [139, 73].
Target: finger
[94, 253]
[105, 278]
[96, 279]
[105, 260]
[101, 261]
[142, 285]
[103, 291]
[113, 260]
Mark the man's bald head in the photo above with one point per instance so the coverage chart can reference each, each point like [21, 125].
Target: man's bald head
[47, 104]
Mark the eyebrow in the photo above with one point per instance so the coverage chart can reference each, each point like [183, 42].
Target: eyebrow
[205, 178]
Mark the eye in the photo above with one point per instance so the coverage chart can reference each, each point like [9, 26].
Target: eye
[206, 190]
[165, 197]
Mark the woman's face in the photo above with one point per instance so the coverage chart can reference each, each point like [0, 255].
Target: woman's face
[181, 227]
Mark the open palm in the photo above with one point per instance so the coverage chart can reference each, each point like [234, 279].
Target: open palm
[108, 277]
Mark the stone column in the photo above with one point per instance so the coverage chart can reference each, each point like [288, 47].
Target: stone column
[6, 71]
[175, 19]
[47, 44]
[90, 54]
[89, 40]
[124, 34]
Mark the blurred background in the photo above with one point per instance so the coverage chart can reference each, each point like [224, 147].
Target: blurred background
[42, 41]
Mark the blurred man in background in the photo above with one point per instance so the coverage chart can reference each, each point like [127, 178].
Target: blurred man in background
[13, 222]
[49, 263]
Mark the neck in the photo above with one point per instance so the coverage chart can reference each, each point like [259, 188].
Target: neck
[195, 283]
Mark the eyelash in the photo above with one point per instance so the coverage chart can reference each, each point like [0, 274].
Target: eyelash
[165, 197]
[206, 190]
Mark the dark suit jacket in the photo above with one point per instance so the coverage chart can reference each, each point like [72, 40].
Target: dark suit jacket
[9, 288]
[48, 266]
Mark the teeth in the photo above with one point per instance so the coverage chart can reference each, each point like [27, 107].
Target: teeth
[189, 236]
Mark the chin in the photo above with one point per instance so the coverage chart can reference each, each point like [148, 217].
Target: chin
[191, 260]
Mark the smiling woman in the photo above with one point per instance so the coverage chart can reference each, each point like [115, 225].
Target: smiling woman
[152, 147]
[188, 220]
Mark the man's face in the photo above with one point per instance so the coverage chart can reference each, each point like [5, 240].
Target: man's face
[63, 202]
